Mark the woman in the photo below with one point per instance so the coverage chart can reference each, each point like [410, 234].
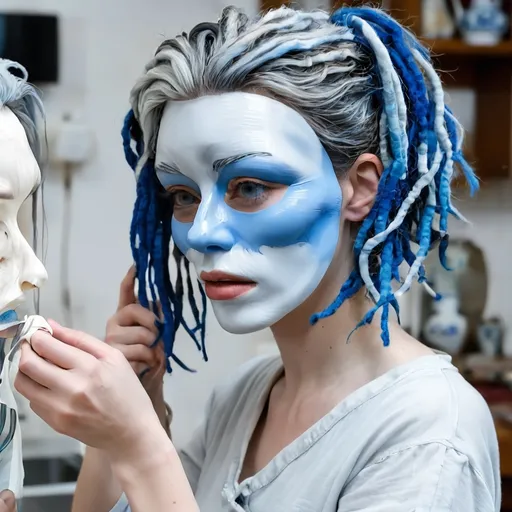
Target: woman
[264, 146]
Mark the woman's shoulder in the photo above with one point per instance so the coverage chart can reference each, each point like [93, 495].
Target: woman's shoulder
[427, 398]
[431, 389]
[428, 401]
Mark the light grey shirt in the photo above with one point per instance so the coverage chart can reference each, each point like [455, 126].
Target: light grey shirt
[419, 438]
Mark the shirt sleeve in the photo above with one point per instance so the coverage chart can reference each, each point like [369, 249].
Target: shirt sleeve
[192, 456]
[427, 478]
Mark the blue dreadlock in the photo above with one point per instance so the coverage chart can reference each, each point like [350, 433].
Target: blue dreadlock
[419, 142]
[150, 240]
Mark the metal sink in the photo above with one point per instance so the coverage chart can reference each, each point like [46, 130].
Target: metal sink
[44, 471]
[49, 484]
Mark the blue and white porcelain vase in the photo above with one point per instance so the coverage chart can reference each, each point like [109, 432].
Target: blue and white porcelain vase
[446, 329]
[484, 23]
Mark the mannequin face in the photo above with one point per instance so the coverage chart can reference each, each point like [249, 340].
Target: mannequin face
[20, 269]
[256, 203]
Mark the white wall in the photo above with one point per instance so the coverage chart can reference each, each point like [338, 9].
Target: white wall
[104, 46]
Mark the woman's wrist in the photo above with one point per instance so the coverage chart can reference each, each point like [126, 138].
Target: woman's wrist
[153, 478]
[144, 460]
[151, 449]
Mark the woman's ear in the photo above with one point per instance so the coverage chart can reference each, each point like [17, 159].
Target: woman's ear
[364, 176]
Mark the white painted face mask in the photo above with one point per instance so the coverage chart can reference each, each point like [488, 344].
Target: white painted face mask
[256, 203]
[20, 269]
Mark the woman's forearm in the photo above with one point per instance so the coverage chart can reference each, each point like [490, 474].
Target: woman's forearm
[97, 488]
[153, 477]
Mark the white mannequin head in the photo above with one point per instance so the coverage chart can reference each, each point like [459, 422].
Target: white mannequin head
[20, 176]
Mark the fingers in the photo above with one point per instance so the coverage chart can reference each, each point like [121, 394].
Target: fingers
[60, 354]
[158, 370]
[135, 314]
[144, 359]
[140, 369]
[39, 370]
[127, 289]
[30, 389]
[7, 501]
[140, 354]
[118, 336]
[80, 340]
[149, 376]
[146, 362]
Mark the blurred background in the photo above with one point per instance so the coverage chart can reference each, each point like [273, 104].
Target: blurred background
[85, 57]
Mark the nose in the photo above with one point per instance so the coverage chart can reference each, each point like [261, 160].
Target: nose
[207, 239]
[209, 232]
[33, 274]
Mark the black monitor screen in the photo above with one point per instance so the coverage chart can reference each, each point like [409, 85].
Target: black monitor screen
[31, 40]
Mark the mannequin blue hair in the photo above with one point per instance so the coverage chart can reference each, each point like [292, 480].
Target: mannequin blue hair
[365, 84]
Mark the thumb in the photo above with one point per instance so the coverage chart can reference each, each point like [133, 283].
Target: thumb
[127, 289]
[7, 497]
[79, 340]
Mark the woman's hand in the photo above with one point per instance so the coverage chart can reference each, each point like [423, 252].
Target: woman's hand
[86, 389]
[133, 331]
[7, 501]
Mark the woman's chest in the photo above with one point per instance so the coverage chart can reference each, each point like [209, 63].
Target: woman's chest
[301, 487]
[272, 436]
[307, 475]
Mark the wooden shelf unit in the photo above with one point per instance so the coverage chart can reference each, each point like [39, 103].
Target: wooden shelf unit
[460, 48]
[485, 69]
[488, 71]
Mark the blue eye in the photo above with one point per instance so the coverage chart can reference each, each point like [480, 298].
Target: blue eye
[182, 198]
[250, 190]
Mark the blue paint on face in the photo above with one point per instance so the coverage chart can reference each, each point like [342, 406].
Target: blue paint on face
[168, 179]
[307, 213]
[286, 242]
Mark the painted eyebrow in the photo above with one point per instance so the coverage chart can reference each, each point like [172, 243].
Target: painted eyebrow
[218, 165]
[168, 168]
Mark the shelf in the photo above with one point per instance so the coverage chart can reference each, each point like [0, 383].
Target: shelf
[459, 47]
[487, 70]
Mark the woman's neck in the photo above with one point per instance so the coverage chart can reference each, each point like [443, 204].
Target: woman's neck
[322, 356]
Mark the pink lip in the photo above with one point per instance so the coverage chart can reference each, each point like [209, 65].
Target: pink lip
[222, 286]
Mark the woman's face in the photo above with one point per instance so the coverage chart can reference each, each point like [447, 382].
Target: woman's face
[20, 269]
[256, 203]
